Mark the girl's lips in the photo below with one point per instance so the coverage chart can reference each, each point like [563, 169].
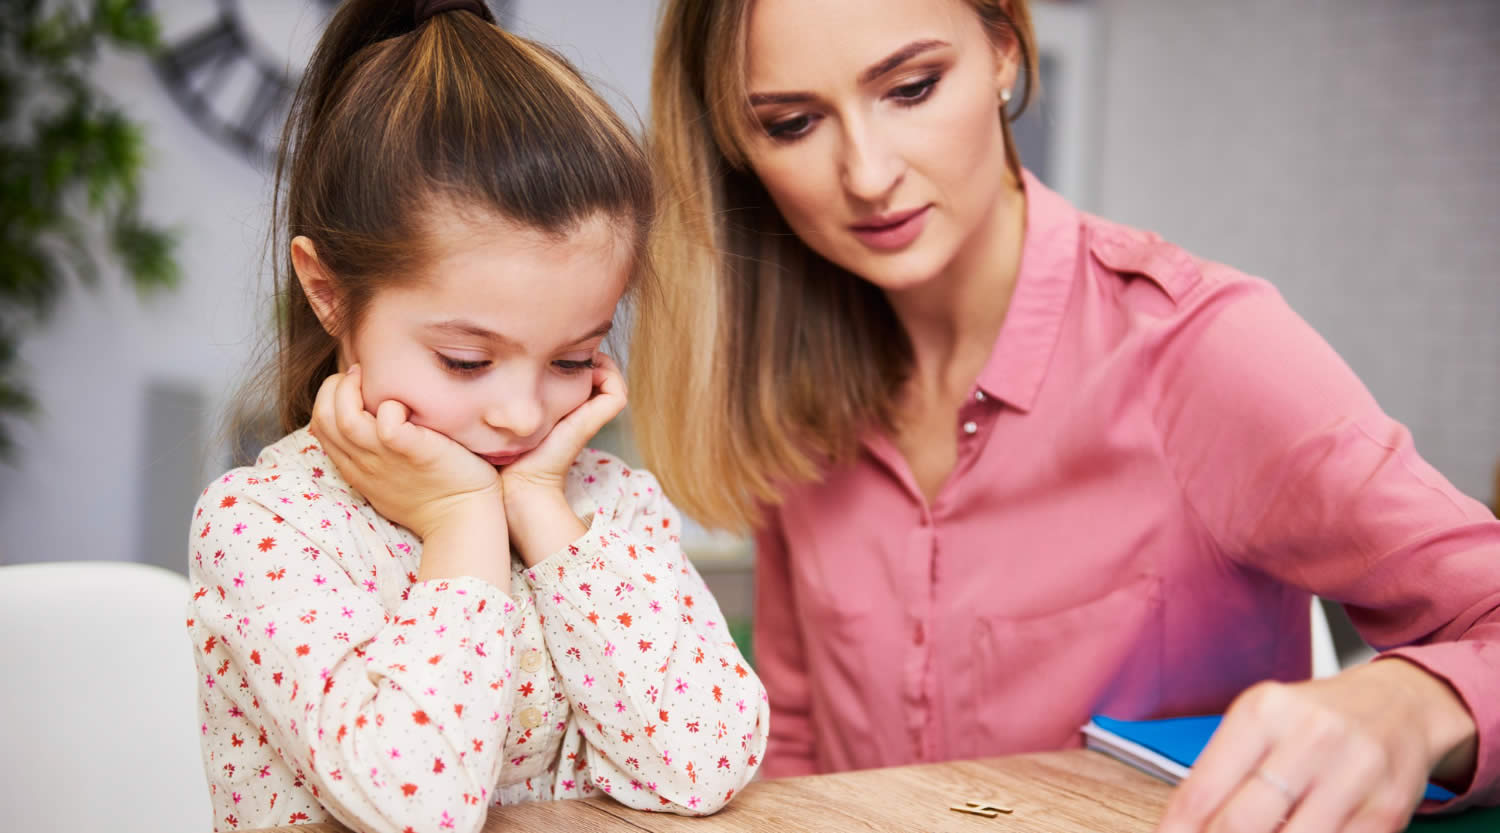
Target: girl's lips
[893, 231]
[502, 459]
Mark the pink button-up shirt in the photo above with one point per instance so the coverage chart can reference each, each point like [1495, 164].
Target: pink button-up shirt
[1156, 467]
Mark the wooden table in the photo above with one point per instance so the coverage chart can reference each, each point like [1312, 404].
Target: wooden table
[1053, 792]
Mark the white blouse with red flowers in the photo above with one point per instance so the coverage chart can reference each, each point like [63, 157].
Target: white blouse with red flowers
[334, 684]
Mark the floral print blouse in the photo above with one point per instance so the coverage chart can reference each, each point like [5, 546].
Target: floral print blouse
[332, 683]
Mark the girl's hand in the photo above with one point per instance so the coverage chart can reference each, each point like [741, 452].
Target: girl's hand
[546, 466]
[536, 510]
[411, 475]
[1348, 754]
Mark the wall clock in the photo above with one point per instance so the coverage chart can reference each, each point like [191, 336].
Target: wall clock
[233, 65]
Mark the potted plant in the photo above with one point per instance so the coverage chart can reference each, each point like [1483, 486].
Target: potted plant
[70, 164]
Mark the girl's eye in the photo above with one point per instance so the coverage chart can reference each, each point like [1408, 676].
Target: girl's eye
[788, 129]
[571, 366]
[915, 92]
[463, 366]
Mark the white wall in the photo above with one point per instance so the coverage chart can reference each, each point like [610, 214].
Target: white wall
[1347, 150]
[78, 489]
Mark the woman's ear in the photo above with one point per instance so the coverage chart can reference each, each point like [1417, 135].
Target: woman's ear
[1007, 68]
[317, 285]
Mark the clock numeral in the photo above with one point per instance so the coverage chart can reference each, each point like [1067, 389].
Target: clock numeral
[261, 120]
[209, 54]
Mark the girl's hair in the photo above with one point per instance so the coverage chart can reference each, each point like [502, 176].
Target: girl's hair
[397, 115]
[758, 364]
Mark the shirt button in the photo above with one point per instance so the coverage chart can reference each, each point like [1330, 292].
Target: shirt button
[970, 427]
[531, 717]
[531, 661]
[979, 396]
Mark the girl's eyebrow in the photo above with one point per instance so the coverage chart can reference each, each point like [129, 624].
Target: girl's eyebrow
[461, 326]
[597, 332]
[873, 72]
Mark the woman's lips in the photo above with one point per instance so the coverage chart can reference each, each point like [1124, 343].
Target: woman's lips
[892, 231]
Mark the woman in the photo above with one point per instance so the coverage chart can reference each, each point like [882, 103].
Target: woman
[1010, 465]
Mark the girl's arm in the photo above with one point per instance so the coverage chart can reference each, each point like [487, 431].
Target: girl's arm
[394, 719]
[669, 715]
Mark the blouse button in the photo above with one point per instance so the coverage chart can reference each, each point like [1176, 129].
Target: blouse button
[970, 427]
[979, 396]
[531, 660]
[531, 717]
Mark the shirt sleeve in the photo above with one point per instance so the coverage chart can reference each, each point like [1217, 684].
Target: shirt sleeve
[667, 714]
[394, 720]
[780, 657]
[1296, 472]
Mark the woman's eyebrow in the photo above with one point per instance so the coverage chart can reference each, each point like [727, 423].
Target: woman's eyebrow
[871, 73]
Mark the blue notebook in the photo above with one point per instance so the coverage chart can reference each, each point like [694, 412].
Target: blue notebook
[1167, 748]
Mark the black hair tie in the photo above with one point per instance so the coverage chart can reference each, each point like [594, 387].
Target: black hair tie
[424, 10]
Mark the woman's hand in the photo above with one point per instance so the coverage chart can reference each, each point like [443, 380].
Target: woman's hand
[537, 511]
[444, 493]
[1348, 754]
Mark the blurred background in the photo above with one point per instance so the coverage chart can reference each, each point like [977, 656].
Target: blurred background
[1347, 150]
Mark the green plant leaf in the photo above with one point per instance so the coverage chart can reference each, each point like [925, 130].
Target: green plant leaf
[70, 163]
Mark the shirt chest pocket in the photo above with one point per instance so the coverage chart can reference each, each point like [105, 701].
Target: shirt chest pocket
[1033, 679]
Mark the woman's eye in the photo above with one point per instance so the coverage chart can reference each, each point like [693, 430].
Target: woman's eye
[573, 366]
[792, 128]
[463, 366]
[915, 92]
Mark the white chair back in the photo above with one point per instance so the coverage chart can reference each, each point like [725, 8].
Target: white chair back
[98, 715]
[1325, 659]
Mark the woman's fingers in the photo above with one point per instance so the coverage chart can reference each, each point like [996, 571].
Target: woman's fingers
[1236, 748]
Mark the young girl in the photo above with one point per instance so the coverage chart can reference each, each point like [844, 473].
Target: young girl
[1012, 465]
[433, 599]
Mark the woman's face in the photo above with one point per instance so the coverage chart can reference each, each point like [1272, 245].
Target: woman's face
[880, 141]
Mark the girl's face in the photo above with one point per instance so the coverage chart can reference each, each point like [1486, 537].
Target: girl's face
[496, 341]
[881, 140]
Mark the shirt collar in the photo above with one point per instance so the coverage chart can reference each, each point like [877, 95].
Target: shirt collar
[1049, 260]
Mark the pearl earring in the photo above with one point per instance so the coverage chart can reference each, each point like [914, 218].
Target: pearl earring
[1005, 95]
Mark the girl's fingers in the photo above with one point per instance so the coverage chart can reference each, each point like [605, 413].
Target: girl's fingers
[417, 444]
[356, 424]
[607, 376]
[586, 421]
[324, 427]
[390, 416]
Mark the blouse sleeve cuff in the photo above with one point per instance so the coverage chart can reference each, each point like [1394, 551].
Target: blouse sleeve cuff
[1472, 668]
[612, 546]
[464, 602]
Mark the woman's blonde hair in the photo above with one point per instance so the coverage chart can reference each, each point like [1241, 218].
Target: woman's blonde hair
[758, 364]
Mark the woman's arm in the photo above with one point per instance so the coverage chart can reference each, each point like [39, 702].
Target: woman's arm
[1296, 472]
